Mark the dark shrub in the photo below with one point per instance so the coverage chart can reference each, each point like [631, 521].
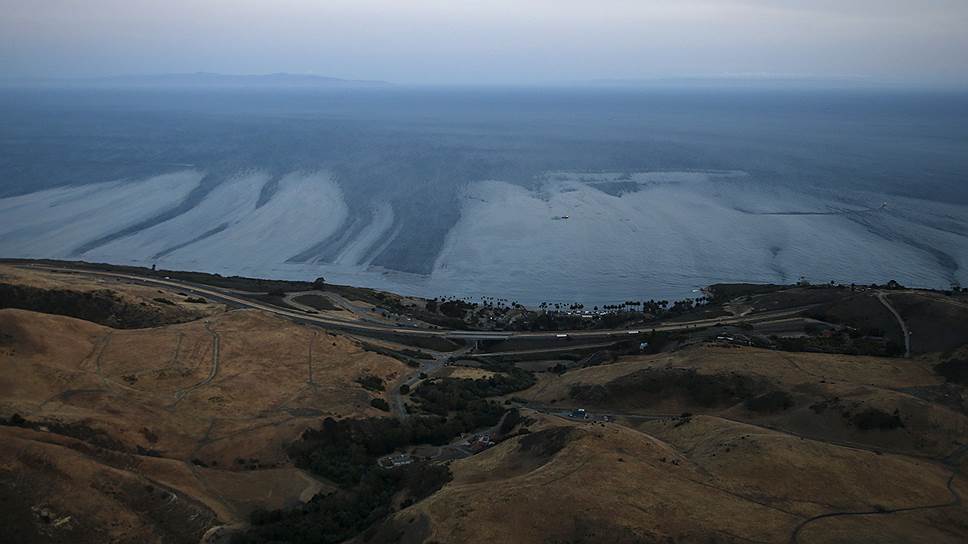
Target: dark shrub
[872, 418]
[774, 401]
[512, 418]
[371, 383]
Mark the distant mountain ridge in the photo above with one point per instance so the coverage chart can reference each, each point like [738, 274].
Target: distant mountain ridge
[213, 79]
[766, 81]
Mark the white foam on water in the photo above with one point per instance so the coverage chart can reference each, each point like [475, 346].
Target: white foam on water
[645, 178]
[677, 231]
[55, 222]
[227, 204]
[305, 209]
[690, 232]
[359, 250]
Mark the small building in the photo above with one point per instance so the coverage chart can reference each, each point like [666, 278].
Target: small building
[579, 413]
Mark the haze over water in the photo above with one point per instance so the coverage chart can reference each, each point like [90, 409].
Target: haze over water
[535, 194]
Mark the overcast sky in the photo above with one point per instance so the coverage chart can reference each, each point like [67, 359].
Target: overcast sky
[491, 41]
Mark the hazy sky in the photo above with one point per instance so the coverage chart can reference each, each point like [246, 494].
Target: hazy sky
[491, 41]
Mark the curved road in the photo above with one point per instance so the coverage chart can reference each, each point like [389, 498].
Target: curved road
[232, 298]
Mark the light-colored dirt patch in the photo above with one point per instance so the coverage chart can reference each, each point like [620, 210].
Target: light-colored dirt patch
[467, 373]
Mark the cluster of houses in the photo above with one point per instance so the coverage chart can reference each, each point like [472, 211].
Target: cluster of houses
[479, 442]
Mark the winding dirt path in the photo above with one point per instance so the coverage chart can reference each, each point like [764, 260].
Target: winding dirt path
[904, 330]
[955, 501]
[181, 393]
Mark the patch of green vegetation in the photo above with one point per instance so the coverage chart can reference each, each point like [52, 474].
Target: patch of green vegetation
[417, 354]
[854, 343]
[865, 418]
[953, 370]
[103, 307]
[511, 419]
[80, 431]
[774, 401]
[650, 385]
[339, 516]
[863, 313]
[345, 452]
[318, 302]
[444, 395]
[873, 418]
[455, 308]
[371, 383]
[405, 359]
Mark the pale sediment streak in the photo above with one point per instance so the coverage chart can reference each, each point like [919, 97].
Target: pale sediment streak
[53, 223]
[227, 230]
[578, 236]
[683, 229]
[226, 205]
[359, 250]
[305, 208]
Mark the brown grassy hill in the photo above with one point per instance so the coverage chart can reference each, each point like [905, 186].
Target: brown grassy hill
[107, 302]
[58, 489]
[699, 480]
[937, 322]
[205, 408]
[886, 403]
[172, 424]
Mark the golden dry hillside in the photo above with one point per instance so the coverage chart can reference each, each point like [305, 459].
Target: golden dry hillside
[701, 479]
[716, 444]
[203, 409]
[129, 419]
[894, 404]
[120, 304]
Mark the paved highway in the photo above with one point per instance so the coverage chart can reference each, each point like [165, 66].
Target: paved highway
[234, 298]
